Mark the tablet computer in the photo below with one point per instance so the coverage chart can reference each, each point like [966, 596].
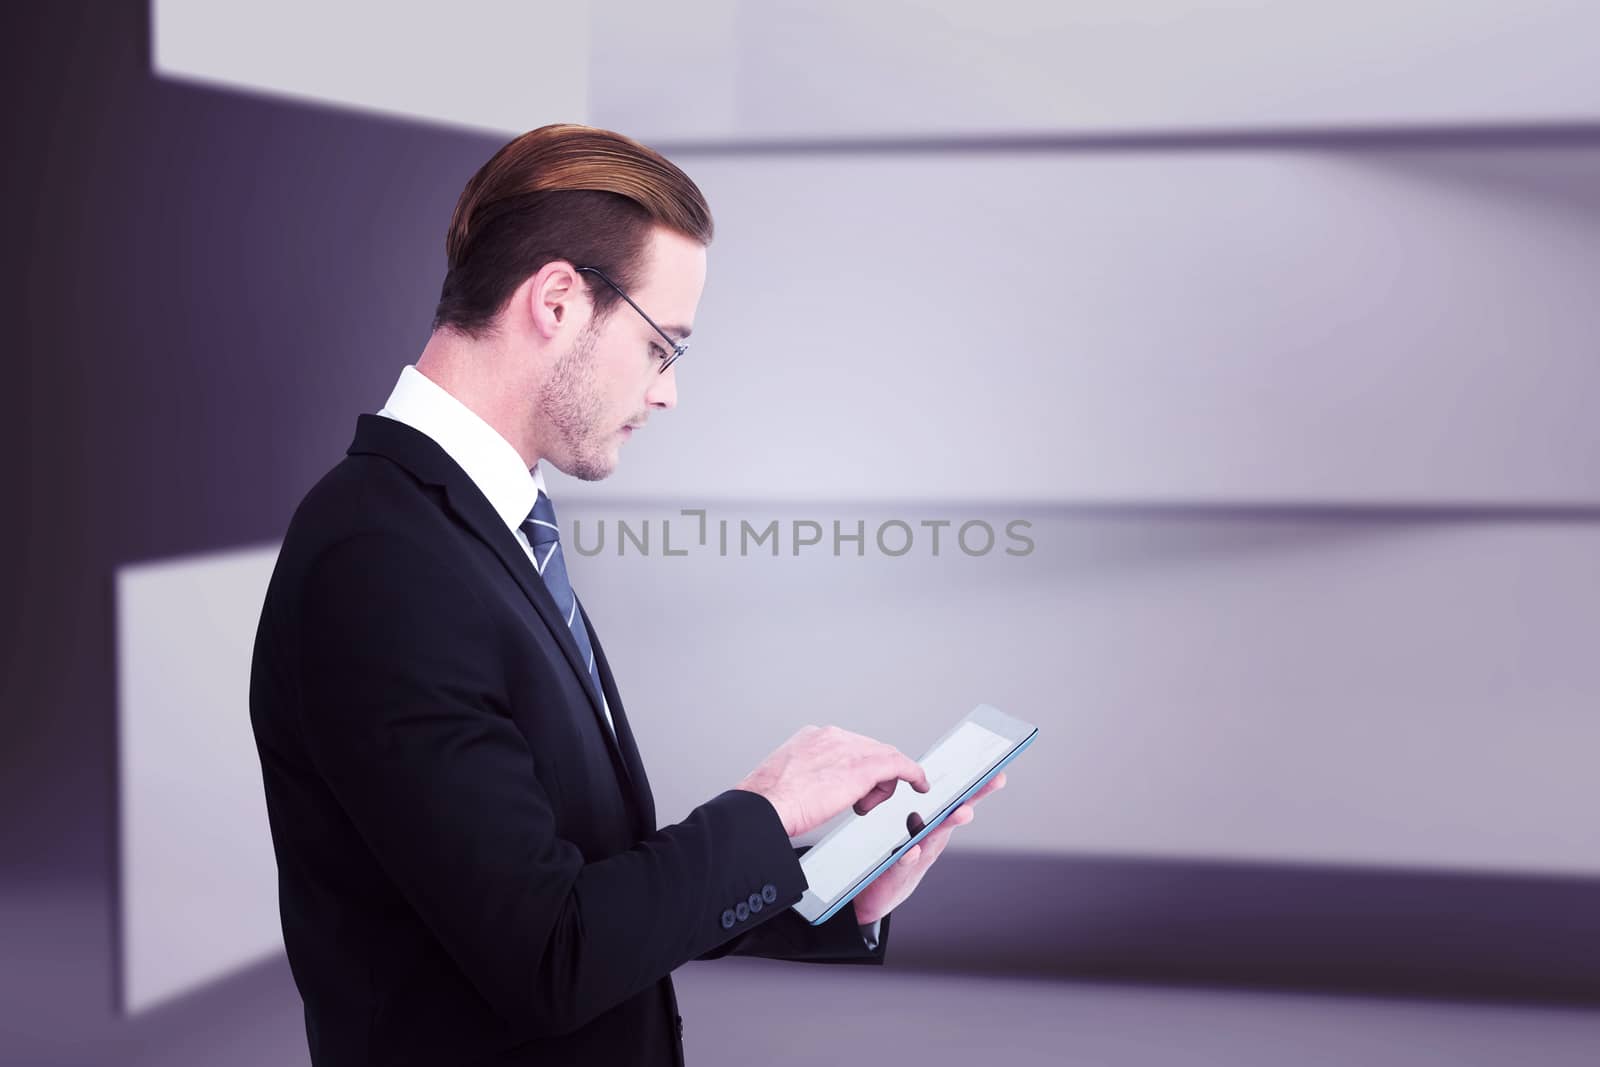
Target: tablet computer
[851, 855]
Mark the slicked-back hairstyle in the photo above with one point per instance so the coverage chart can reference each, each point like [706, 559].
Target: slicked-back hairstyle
[570, 192]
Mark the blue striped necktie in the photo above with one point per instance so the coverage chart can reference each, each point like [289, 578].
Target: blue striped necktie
[545, 538]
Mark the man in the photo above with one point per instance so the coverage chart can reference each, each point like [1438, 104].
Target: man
[470, 871]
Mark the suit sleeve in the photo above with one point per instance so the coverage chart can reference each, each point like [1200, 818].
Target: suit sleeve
[788, 936]
[403, 715]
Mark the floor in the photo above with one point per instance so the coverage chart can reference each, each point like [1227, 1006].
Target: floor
[56, 1009]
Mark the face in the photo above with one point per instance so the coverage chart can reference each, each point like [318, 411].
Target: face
[604, 386]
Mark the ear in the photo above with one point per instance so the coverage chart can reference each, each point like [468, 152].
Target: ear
[558, 300]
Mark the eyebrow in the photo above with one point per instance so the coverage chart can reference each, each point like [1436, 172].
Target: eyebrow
[680, 332]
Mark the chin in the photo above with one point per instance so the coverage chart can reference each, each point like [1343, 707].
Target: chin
[592, 467]
[588, 458]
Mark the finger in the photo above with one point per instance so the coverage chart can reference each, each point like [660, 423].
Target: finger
[880, 792]
[920, 782]
[960, 817]
[913, 854]
[940, 835]
[889, 763]
[935, 843]
[993, 785]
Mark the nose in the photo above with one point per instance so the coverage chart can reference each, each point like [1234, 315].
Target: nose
[663, 391]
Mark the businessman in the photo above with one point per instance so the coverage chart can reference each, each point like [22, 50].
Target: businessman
[469, 866]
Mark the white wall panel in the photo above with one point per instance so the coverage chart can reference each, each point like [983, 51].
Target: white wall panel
[732, 71]
[1374, 327]
[490, 64]
[198, 886]
[1418, 695]
[908, 68]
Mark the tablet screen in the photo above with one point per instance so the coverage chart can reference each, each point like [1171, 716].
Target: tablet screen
[858, 846]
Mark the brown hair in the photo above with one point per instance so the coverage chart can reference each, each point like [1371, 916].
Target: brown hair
[568, 192]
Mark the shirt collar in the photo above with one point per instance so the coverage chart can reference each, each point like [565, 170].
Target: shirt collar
[488, 459]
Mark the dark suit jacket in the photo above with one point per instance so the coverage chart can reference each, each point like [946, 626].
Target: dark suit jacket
[469, 867]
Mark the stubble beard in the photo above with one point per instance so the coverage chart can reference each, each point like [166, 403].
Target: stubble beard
[570, 405]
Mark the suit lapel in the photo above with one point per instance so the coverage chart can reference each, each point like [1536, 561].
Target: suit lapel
[419, 454]
[630, 750]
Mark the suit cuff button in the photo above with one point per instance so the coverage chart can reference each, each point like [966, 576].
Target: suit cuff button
[727, 919]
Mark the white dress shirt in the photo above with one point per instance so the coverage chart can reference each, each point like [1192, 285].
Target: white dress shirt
[488, 459]
[492, 464]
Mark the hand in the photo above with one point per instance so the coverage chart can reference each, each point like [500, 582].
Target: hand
[822, 770]
[893, 886]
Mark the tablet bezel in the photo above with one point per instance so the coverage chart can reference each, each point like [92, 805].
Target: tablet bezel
[1018, 733]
